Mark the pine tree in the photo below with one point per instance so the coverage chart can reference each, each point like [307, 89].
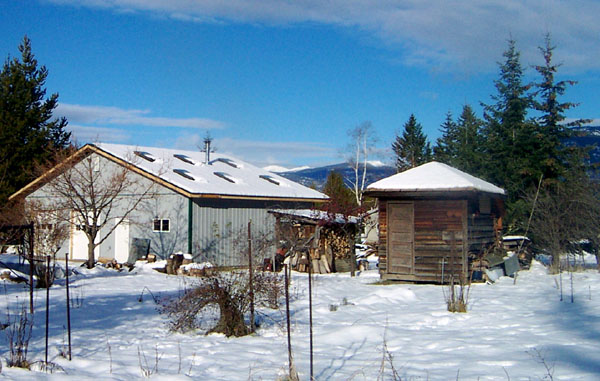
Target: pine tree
[28, 132]
[507, 130]
[412, 148]
[444, 150]
[553, 130]
[469, 155]
[341, 198]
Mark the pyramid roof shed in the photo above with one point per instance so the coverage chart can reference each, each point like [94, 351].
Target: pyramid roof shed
[435, 222]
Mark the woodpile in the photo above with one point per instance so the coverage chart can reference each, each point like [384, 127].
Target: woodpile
[328, 249]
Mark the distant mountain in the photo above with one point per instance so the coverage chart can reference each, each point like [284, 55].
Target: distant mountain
[280, 169]
[318, 176]
[588, 136]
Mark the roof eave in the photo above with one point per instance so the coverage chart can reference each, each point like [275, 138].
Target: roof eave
[416, 192]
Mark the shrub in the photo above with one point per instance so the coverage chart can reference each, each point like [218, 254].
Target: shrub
[229, 291]
[18, 334]
[457, 297]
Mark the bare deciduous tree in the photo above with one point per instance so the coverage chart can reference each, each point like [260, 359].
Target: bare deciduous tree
[50, 231]
[362, 145]
[96, 195]
[566, 212]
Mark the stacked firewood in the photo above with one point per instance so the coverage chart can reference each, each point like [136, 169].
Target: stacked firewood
[338, 241]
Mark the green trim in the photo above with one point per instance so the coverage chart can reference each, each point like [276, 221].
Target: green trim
[190, 224]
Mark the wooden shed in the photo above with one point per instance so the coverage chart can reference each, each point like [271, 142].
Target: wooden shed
[434, 222]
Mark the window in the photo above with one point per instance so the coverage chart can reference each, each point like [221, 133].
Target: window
[225, 176]
[184, 173]
[145, 155]
[229, 162]
[184, 158]
[160, 225]
[270, 179]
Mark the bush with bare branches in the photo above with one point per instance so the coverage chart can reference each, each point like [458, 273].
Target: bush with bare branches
[18, 334]
[229, 291]
[457, 295]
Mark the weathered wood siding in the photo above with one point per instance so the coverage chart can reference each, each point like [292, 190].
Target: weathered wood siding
[484, 224]
[439, 240]
[382, 246]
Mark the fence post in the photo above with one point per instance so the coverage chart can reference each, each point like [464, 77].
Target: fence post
[68, 304]
[251, 284]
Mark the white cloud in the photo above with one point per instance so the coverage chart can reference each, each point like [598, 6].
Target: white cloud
[105, 115]
[97, 134]
[263, 153]
[437, 33]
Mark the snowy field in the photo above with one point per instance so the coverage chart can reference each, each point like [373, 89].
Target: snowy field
[510, 331]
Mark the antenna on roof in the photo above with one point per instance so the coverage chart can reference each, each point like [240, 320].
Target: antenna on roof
[207, 150]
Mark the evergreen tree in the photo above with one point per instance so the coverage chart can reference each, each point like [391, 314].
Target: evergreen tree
[461, 143]
[444, 150]
[469, 155]
[28, 132]
[341, 198]
[507, 131]
[412, 148]
[512, 145]
[553, 130]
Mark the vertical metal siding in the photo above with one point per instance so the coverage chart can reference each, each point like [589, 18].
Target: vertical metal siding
[230, 218]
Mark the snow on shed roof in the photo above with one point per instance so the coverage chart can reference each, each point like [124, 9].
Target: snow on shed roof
[317, 215]
[433, 176]
[223, 175]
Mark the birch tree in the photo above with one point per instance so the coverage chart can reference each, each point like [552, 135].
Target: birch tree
[362, 145]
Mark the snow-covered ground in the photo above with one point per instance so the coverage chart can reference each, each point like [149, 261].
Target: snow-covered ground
[509, 331]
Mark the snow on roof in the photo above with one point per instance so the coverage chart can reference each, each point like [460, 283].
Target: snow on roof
[433, 176]
[223, 175]
[316, 215]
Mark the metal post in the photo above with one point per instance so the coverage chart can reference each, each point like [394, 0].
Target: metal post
[68, 304]
[310, 322]
[251, 285]
[31, 232]
[287, 316]
[47, 305]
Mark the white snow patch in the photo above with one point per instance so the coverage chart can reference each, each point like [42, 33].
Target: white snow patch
[506, 323]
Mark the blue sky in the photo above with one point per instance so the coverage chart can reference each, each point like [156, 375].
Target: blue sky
[281, 82]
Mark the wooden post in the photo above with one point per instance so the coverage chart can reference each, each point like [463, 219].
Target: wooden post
[251, 285]
[47, 305]
[68, 304]
[310, 322]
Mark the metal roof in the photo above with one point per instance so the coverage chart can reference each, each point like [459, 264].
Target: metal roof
[222, 175]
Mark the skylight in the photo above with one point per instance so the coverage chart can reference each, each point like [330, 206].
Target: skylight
[270, 179]
[184, 173]
[229, 162]
[145, 155]
[225, 176]
[184, 158]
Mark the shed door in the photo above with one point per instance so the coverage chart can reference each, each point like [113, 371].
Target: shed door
[401, 238]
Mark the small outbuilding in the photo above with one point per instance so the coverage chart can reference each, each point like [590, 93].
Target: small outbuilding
[435, 221]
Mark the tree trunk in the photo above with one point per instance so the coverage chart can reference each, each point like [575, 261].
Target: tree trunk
[91, 260]
[231, 321]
